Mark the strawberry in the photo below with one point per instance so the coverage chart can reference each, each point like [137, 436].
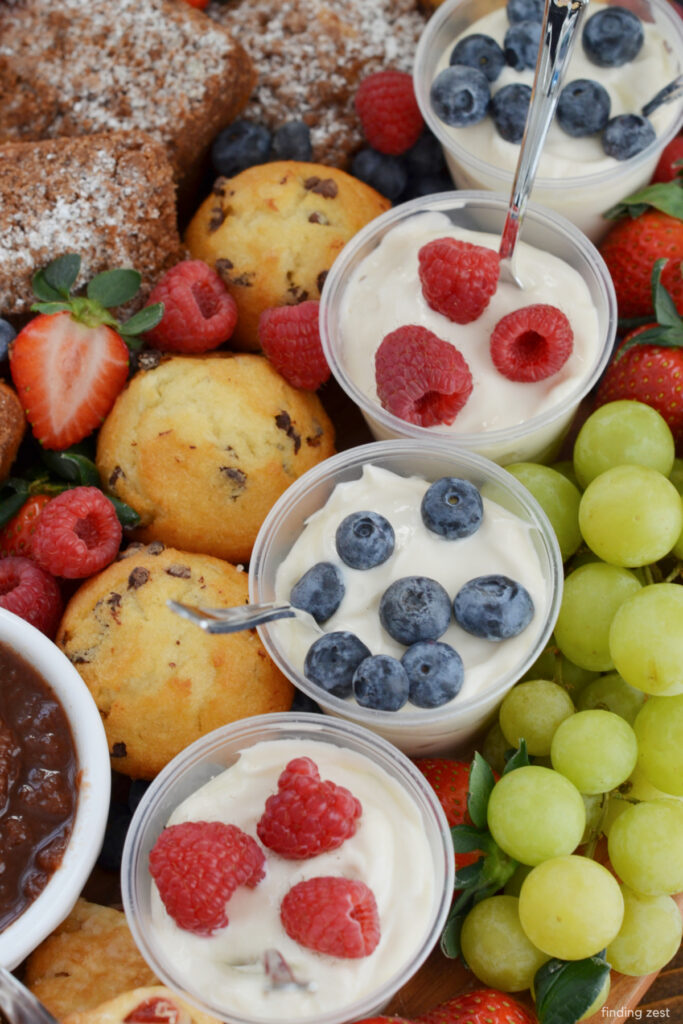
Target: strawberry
[483, 1006]
[670, 163]
[450, 781]
[15, 536]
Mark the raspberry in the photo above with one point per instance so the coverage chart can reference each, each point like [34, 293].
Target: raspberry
[306, 816]
[458, 278]
[31, 593]
[77, 533]
[388, 111]
[421, 378]
[290, 338]
[337, 916]
[199, 311]
[531, 343]
[15, 536]
[197, 866]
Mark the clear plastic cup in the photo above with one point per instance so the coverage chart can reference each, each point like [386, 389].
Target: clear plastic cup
[209, 757]
[581, 197]
[416, 731]
[535, 439]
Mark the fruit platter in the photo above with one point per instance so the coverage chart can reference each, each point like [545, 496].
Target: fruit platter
[341, 546]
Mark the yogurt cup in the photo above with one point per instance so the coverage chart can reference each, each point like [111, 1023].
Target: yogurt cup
[477, 160]
[417, 731]
[526, 436]
[409, 800]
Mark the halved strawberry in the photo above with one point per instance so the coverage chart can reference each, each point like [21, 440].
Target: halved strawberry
[67, 376]
[15, 536]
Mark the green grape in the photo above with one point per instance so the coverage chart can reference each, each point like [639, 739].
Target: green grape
[571, 907]
[566, 468]
[591, 596]
[533, 710]
[552, 664]
[645, 847]
[496, 947]
[676, 475]
[659, 730]
[514, 883]
[495, 747]
[622, 433]
[558, 498]
[596, 750]
[535, 813]
[636, 789]
[611, 693]
[646, 640]
[649, 936]
[631, 516]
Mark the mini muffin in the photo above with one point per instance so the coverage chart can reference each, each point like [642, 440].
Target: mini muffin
[273, 232]
[156, 1003]
[12, 427]
[88, 959]
[159, 681]
[201, 447]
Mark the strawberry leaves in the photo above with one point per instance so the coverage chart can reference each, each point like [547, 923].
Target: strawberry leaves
[664, 196]
[668, 331]
[565, 989]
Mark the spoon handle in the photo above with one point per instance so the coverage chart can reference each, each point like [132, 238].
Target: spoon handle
[561, 19]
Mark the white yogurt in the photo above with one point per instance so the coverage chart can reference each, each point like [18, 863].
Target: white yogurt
[384, 293]
[501, 545]
[389, 852]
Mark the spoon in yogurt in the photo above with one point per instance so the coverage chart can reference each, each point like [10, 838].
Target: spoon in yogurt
[243, 616]
[561, 20]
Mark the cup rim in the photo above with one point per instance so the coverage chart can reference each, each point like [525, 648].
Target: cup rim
[313, 725]
[407, 720]
[335, 284]
[65, 885]
[504, 177]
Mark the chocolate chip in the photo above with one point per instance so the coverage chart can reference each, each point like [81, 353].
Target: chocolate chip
[182, 572]
[297, 293]
[119, 750]
[321, 278]
[219, 186]
[237, 476]
[114, 602]
[138, 577]
[156, 547]
[318, 218]
[325, 187]
[243, 279]
[115, 474]
[223, 265]
[283, 421]
[217, 218]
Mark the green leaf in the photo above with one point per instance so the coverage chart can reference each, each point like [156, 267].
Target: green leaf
[61, 274]
[127, 516]
[72, 466]
[114, 287]
[145, 320]
[665, 308]
[467, 838]
[450, 936]
[520, 759]
[481, 782]
[566, 989]
[42, 290]
[664, 196]
[51, 307]
[13, 494]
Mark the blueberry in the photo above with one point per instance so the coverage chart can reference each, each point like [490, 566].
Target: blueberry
[509, 108]
[114, 836]
[525, 10]
[521, 44]
[435, 672]
[452, 508]
[493, 607]
[242, 144]
[479, 51]
[381, 682]
[626, 135]
[302, 702]
[364, 540]
[428, 185]
[319, 591]
[382, 172]
[7, 334]
[583, 108]
[415, 608]
[137, 790]
[292, 141]
[425, 156]
[460, 95]
[332, 659]
[612, 37]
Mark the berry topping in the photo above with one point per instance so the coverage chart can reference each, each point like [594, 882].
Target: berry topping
[626, 135]
[389, 114]
[521, 44]
[415, 608]
[199, 311]
[421, 378]
[509, 108]
[460, 95]
[16, 535]
[31, 593]
[435, 673]
[668, 167]
[384, 173]
[612, 37]
[332, 659]
[524, 10]
[292, 141]
[158, 1010]
[307, 816]
[337, 916]
[319, 591]
[531, 343]
[364, 540]
[458, 278]
[242, 144]
[381, 682]
[493, 607]
[479, 51]
[197, 866]
[452, 508]
[77, 533]
[290, 338]
[583, 108]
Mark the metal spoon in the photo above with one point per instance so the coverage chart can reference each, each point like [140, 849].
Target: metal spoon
[670, 92]
[244, 616]
[18, 1004]
[561, 20]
